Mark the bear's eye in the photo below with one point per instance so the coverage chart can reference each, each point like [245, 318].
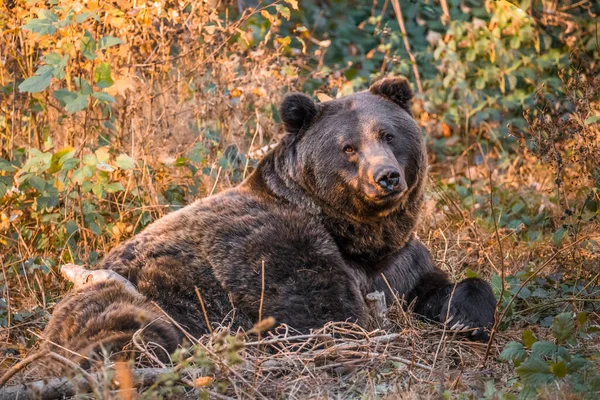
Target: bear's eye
[349, 149]
[389, 137]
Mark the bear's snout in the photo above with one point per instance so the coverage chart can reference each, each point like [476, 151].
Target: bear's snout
[387, 178]
[390, 180]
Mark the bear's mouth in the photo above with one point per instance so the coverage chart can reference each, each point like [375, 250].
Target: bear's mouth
[385, 197]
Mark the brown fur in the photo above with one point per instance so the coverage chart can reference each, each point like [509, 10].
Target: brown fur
[334, 205]
[104, 317]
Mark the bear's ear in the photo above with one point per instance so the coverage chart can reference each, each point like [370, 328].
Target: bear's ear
[395, 89]
[297, 110]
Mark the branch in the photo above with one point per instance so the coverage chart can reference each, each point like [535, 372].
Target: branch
[400, 19]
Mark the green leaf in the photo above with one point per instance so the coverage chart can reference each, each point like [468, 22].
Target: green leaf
[37, 183]
[90, 159]
[528, 338]
[38, 161]
[59, 158]
[592, 120]
[104, 97]
[49, 14]
[42, 26]
[559, 235]
[108, 41]
[95, 229]
[544, 348]
[83, 16]
[36, 83]
[97, 190]
[123, 161]
[102, 76]
[114, 187]
[515, 42]
[87, 45]
[284, 11]
[559, 369]
[576, 364]
[513, 351]
[81, 174]
[6, 166]
[58, 64]
[534, 372]
[563, 327]
[469, 273]
[86, 186]
[582, 319]
[71, 101]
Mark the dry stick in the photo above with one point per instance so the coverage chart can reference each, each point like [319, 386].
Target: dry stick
[8, 309]
[145, 351]
[57, 345]
[89, 379]
[288, 338]
[446, 323]
[260, 308]
[211, 353]
[171, 320]
[400, 18]
[203, 309]
[22, 364]
[262, 291]
[446, 12]
[502, 270]
[525, 282]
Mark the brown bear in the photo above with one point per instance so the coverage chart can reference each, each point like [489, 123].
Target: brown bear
[325, 214]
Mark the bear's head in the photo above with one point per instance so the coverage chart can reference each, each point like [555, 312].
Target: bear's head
[361, 155]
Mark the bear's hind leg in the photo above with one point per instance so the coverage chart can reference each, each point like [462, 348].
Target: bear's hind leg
[103, 317]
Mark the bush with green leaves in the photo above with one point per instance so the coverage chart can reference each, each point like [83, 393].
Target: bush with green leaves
[562, 364]
[80, 63]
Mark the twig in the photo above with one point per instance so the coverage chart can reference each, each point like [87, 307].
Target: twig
[400, 19]
[191, 338]
[525, 282]
[445, 12]
[22, 364]
[503, 274]
[93, 383]
[287, 339]
[203, 309]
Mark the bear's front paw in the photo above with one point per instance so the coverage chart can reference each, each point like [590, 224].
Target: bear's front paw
[471, 306]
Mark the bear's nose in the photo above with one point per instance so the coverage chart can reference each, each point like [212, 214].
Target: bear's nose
[388, 179]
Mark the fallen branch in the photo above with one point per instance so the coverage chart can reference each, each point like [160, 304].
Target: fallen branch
[20, 365]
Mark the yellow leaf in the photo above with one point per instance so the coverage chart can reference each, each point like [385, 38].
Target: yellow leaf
[323, 97]
[293, 3]
[235, 93]
[285, 41]
[267, 15]
[203, 381]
